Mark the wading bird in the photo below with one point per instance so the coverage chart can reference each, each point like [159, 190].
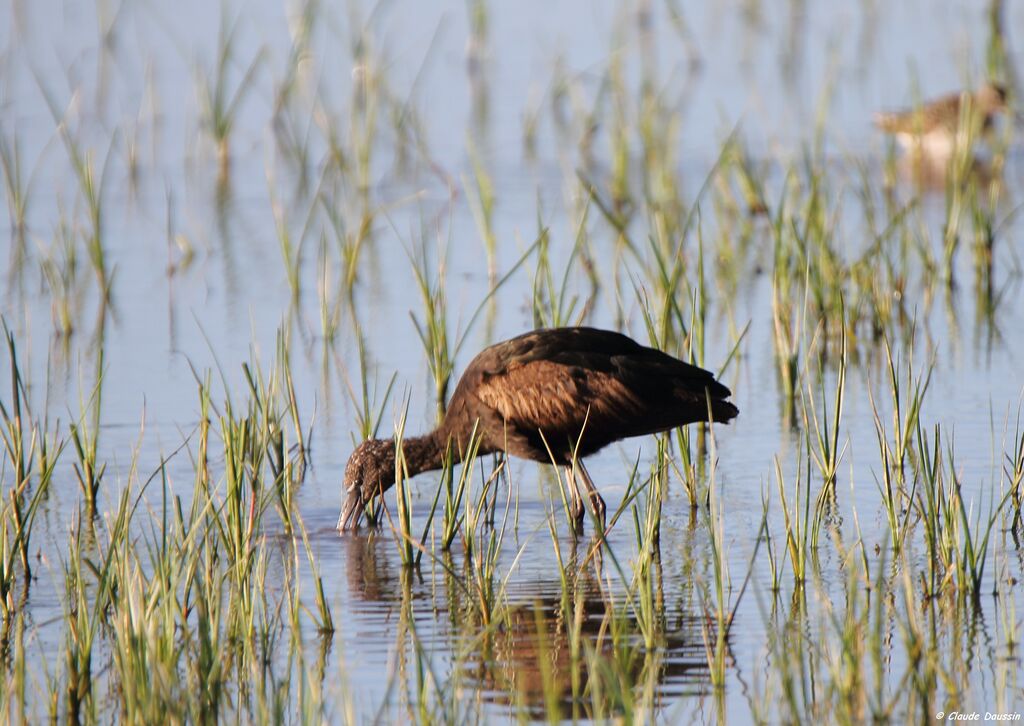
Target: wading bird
[552, 396]
[936, 129]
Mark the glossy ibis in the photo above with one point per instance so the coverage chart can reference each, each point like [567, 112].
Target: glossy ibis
[550, 396]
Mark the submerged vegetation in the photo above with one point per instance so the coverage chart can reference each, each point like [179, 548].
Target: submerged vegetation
[848, 549]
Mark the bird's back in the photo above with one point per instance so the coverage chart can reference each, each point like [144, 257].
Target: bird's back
[945, 114]
[545, 393]
[942, 113]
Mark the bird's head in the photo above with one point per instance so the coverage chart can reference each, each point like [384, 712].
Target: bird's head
[370, 471]
[991, 97]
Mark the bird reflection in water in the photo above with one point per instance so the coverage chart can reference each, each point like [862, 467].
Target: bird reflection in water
[553, 648]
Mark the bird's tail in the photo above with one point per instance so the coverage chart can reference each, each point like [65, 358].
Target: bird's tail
[716, 397]
[723, 411]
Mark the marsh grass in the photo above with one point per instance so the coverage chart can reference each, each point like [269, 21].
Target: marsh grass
[433, 330]
[552, 305]
[825, 445]
[322, 617]
[407, 547]
[800, 528]
[905, 418]
[453, 514]
[647, 510]
[273, 412]
[91, 184]
[788, 328]
[85, 434]
[32, 452]
[775, 561]
[198, 573]
[369, 412]
[481, 203]
[719, 605]
[194, 592]
[220, 103]
[1013, 470]
[292, 132]
[484, 555]
[291, 245]
[19, 443]
[440, 343]
[59, 266]
[957, 537]
[17, 192]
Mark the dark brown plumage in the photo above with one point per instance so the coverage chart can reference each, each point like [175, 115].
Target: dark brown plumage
[557, 394]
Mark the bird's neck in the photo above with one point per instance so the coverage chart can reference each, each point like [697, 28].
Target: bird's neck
[424, 453]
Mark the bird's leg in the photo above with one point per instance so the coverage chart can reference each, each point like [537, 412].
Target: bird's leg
[596, 500]
[576, 509]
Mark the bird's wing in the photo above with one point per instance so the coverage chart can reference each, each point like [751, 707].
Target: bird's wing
[944, 111]
[558, 399]
[572, 381]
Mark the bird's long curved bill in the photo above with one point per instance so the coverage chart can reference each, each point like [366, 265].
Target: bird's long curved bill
[352, 512]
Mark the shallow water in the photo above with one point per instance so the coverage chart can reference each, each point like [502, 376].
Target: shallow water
[125, 79]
